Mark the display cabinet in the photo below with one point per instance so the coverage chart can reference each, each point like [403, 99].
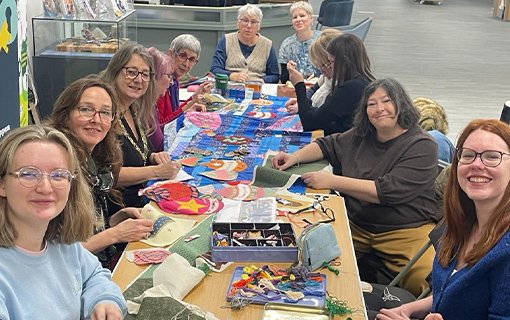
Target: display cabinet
[68, 49]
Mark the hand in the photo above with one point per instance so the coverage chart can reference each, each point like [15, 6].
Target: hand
[106, 311]
[132, 230]
[295, 76]
[283, 161]
[198, 107]
[310, 77]
[239, 76]
[291, 65]
[392, 314]
[292, 106]
[434, 316]
[167, 170]
[318, 179]
[125, 213]
[204, 88]
[160, 157]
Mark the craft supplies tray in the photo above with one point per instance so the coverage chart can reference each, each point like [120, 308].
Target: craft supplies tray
[277, 311]
[266, 242]
[308, 300]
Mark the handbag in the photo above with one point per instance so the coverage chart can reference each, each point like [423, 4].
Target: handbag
[317, 244]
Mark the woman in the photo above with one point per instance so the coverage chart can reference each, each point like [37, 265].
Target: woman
[385, 168]
[471, 272]
[87, 113]
[131, 72]
[319, 57]
[185, 52]
[245, 54]
[45, 210]
[348, 60]
[294, 49]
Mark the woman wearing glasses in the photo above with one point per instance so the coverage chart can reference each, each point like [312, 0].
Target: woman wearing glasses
[385, 167]
[349, 65]
[185, 51]
[87, 113]
[471, 272]
[131, 73]
[45, 211]
[294, 49]
[246, 54]
[319, 57]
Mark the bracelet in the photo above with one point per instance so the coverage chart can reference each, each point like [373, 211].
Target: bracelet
[297, 158]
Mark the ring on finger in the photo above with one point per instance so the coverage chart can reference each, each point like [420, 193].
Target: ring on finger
[147, 235]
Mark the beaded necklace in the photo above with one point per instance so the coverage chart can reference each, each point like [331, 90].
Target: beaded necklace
[142, 135]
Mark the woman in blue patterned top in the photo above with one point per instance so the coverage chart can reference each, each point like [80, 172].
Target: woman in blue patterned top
[294, 49]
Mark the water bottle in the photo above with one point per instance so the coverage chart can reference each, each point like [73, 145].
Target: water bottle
[220, 85]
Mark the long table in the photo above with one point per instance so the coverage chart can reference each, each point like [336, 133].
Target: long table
[209, 294]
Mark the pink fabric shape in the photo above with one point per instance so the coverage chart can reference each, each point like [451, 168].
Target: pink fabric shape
[207, 120]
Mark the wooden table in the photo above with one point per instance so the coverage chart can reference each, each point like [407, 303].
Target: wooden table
[209, 294]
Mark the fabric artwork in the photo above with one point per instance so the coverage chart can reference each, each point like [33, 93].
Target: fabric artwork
[245, 138]
[207, 120]
[242, 192]
[191, 161]
[191, 205]
[169, 190]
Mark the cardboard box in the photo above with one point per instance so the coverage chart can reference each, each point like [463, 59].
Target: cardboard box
[265, 242]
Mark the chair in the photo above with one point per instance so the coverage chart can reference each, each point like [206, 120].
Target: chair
[359, 29]
[505, 113]
[337, 13]
[322, 10]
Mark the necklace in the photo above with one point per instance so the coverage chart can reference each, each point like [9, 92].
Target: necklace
[142, 135]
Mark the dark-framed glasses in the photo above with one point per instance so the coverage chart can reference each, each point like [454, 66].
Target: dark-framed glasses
[132, 73]
[326, 65]
[183, 57]
[89, 113]
[246, 22]
[31, 176]
[490, 158]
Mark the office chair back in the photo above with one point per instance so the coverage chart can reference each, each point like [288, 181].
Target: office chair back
[505, 113]
[322, 10]
[338, 13]
[359, 29]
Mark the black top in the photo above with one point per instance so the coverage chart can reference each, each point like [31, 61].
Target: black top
[337, 112]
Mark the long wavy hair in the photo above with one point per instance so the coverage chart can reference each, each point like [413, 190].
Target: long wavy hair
[460, 212]
[143, 106]
[107, 153]
[75, 222]
[351, 59]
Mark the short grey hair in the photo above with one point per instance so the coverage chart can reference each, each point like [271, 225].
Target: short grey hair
[186, 41]
[250, 10]
[302, 5]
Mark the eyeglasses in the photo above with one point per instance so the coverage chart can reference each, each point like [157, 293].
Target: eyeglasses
[31, 176]
[246, 22]
[132, 73]
[490, 158]
[182, 57]
[326, 65]
[88, 113]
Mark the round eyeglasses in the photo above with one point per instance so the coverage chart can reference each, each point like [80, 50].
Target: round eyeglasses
[31, 176]
[490, 158]
[132, 73]
[88, 113]
[182, 57]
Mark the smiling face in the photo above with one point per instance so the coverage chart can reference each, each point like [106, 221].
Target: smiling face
[36, 206]
[91, 131]
[301, 20]
[484, 185]
[381, 111]
[131, 89]
[248, 26]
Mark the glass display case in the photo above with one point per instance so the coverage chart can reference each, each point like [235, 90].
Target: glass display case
[68, 49]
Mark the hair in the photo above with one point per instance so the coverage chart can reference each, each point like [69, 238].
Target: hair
[107, 152]
[351, 59]
[75, 222]
[432, 115]
[459, 209]
[186, 41]
[301, 5]
[250, 10]
[161, 62]
[143, 106]
[407, 114]
[318, 48]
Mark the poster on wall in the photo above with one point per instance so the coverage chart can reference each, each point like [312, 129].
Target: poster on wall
[13, 65]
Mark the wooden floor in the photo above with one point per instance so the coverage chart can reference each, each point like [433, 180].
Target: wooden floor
[455, 53]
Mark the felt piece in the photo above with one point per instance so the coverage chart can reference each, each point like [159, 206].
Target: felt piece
[233, 140]
[261, 102]
[198, 151]
[262, 115]
[150, 256]
[191, 206]
[130, 254]
[208, 120]
[221, 174]
[172, 230]
[290, 123]
[159, 223]
[178, 286]
[236, 192]
[169, 190]
[191, 160]
[231, 165]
